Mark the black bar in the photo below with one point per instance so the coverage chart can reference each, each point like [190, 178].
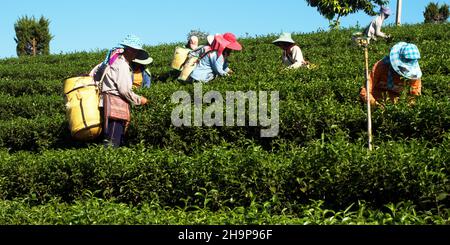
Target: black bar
[226, 234]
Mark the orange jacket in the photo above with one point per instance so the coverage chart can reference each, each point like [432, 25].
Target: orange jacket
[379, 86]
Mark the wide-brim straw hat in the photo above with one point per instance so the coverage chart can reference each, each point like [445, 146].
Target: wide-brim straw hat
[404, 58]
[284, 37]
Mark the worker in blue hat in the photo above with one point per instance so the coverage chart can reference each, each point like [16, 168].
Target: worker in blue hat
[116, 79]
[400, 69]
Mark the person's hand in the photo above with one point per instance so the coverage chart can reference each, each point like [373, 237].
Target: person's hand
[230, 72]
[411, 101]
[144, 100]
[380, 105]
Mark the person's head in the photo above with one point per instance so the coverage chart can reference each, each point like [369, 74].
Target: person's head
[284, 41]
[227, 52]
[136, 66]
[132, 48]
[192, 42]
[386, 11]
[233, 43]
[142, 60]
[130, 53]
[283, 45]
[223, 42]
[404, 59]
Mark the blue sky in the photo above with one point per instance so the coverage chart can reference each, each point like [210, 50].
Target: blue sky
[84, 25]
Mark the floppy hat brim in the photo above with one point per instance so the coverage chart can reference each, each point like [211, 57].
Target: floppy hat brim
[409, 70]
[147, 61]
[284, 40]
[142, 54]
[143, 58]
[235, 46]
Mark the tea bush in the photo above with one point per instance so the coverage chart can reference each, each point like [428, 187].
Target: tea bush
[230, 175]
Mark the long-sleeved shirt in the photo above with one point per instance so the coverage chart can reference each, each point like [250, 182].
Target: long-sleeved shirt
[373, 30]
[293, 58]
[209, 67]
[379, 84]
[118, 81]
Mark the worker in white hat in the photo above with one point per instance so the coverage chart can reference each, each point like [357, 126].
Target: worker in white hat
[141, 76]
[292, 54]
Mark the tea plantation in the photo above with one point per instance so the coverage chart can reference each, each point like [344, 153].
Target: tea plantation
[316, 171]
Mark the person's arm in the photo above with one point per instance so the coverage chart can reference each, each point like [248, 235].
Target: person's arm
[415, 90]
[416, 87]
[297, 57]
[226, 68]
[218, 65]
[378, 24]
[124, 84]
[374, 77]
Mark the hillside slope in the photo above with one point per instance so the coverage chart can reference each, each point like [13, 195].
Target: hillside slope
[319, 156]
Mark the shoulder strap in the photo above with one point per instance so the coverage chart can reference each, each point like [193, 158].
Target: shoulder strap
[203, 55]
[100, 86]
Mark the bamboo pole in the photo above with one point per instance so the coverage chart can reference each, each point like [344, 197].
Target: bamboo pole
[369, 112]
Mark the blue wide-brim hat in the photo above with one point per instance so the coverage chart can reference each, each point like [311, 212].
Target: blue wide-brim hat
[404, 59]
[133, 42]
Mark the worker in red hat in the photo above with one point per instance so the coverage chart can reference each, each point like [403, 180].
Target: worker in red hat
[214, 63]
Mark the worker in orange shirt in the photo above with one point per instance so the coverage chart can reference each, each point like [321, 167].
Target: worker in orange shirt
[390, 75]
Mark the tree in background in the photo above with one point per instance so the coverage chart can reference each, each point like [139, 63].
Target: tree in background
[435, 14]
[32, 37]
[200, 34]
[332, 8]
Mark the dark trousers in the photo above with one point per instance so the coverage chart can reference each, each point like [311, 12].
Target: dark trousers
[113, 131]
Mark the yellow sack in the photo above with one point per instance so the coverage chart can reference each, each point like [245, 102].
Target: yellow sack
[82, 100]
[179, 57]
[188, 67]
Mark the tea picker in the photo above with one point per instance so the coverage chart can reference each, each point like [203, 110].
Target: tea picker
[363, 42]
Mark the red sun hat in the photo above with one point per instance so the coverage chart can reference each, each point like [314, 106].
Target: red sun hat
[219, 44]
[234, 45]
